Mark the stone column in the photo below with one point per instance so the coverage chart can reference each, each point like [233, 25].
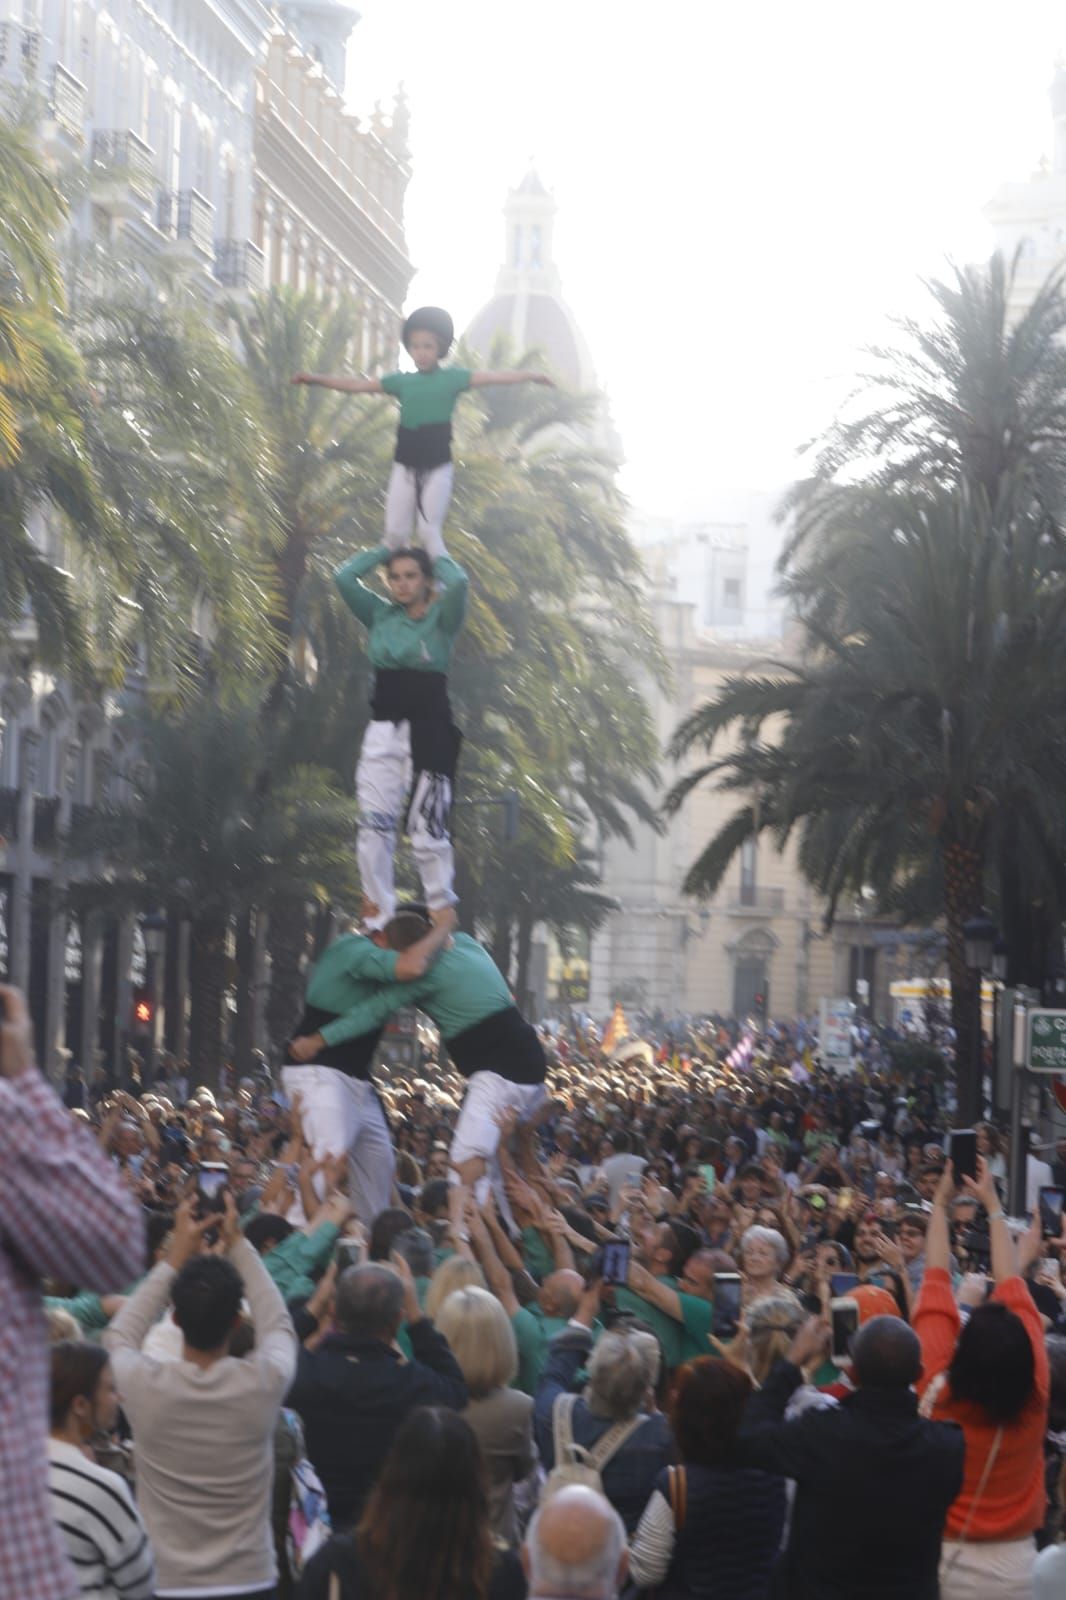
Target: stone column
[29, 743]
[56, 1013]
[92, 958]
[123, 998]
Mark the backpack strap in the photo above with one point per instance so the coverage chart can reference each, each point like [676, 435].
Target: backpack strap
[611, 1442]
[678, 1484]
[563, 1428]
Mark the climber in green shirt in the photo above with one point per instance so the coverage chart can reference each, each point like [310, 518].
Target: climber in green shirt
[411, 746]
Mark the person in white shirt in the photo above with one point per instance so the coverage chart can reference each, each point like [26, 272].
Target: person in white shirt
[92, 1507]
[203, 1427]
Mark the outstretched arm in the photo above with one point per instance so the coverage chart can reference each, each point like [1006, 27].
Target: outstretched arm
[322, 380]
[483, 380]
[363, 1018]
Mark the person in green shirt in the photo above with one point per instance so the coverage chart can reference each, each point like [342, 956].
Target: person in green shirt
[420, 484]
[488, 1040]
[407, 764]
[330, 1066]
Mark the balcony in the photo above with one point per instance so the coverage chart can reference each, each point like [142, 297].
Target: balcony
[45, 822]
[188, 220]
[123, 172]
[20, 53]
[752, 902]
[239, 264]
[66, 110]
[9, 814]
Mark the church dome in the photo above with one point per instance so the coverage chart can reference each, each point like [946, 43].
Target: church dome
[533, 321]
[528, 305]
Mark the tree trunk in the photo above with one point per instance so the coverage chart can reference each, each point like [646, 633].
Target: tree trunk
[207, 989]
[244, 1027]
[526, 924]
[287, 940]
[501, 942]
[963, 891]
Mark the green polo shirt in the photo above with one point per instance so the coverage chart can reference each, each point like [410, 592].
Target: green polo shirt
[669, 1333]
[538, 1259]
[427, 398]
[421, 644]
[462, 987]
[697, 1323]
[292, 1262]
[347, 976]
[534, 1331]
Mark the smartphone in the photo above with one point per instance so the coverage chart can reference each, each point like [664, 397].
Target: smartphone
[349, 1253]
[212, 1178]
[962, 1151]
[1050, 1202]
[887, 1226]
[845, 1318]
[842, 1283]
[615, 1263]
[727, 1292]
[844, 1198]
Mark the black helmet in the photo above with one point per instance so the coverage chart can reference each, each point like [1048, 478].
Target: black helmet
[430, 319]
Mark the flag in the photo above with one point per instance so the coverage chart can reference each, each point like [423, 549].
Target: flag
[617, 1030]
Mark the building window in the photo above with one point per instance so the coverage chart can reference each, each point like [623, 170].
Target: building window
[748, 888]
[731, 594]
[516, 249]
[534, 246]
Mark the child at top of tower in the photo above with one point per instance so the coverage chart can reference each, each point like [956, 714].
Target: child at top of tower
[420, 484]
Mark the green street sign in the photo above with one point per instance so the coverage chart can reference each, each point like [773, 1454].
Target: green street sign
[1045, 1046]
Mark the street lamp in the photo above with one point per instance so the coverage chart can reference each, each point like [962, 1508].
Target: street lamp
[999, 960]
[981, 936]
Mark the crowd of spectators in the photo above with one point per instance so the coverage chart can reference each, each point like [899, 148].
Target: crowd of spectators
[730, 1328]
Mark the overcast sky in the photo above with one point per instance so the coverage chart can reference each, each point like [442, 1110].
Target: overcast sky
[745, 192]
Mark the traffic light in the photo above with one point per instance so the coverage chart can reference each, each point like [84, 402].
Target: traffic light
[143, 1011]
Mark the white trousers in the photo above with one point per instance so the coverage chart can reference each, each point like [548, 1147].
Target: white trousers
[987, 1569]
[342, 1114]
[477, 1132]
[382, 781]
[417, 503]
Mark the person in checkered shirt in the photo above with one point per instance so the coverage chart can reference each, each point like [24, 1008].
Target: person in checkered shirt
[66, 1214]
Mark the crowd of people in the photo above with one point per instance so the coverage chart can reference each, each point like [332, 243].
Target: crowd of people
[710, 1321]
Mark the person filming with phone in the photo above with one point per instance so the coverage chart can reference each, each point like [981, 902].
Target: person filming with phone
[991, 1377]
[203, 1426]
[874, 1481]
[65, 1213]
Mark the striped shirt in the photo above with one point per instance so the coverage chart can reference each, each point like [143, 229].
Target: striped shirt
[64, 1213]
[100, 1526]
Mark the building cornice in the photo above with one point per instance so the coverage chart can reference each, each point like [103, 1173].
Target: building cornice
[296, 175]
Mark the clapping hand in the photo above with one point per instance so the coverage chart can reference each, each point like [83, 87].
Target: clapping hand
[187, 1238]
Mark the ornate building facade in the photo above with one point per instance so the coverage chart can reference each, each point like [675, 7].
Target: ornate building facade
[214, 135]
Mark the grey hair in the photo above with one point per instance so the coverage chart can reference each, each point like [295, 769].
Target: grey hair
[369, 1302]
[757, 1234]
[621, 1369]
[593, 1579]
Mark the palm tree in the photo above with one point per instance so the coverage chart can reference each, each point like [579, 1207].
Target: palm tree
[179, 452]
[43, 466]
[919, 744]
[206, 836]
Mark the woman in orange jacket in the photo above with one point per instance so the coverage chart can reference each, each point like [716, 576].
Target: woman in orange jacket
[990, 1375]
